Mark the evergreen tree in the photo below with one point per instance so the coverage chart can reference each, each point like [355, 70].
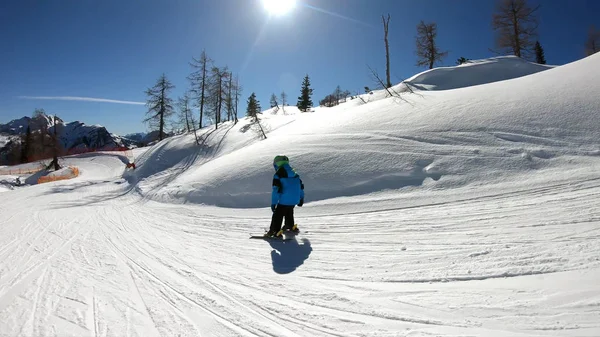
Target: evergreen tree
[539, 53]
[160, 106]
[253, 106]
[304, 101]
[462, 60]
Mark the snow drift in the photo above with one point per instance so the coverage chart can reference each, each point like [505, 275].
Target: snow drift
[475, 72]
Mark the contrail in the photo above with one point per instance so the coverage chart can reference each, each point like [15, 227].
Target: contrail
[82, 99]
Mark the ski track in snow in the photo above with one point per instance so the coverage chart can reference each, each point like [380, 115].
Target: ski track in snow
[484, 266]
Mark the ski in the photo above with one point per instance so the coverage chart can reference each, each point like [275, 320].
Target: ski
[281, 238]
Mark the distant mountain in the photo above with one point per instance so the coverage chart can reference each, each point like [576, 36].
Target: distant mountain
[18, 127]
[74, 136]
[137, 137]
[144, 138]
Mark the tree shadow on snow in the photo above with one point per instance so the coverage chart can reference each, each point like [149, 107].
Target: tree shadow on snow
[287, 256]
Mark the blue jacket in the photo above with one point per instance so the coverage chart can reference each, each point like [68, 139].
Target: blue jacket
[288, 188]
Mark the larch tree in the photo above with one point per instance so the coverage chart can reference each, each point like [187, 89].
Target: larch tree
[199, 81]
[160, 105]
[229, 101]
[217, 91]
[185, 112]
[237, 89]
[428, 52]
[515, 23]
[283, 101]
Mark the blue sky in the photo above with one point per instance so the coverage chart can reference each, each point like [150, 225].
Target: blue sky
[115, 49]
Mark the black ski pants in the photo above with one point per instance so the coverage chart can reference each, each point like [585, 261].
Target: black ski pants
[280, 212]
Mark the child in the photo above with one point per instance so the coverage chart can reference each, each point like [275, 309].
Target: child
[288, 191]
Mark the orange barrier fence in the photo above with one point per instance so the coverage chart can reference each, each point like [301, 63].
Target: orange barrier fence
[74, 172]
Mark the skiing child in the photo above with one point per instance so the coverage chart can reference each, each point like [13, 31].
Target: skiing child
[288, 191]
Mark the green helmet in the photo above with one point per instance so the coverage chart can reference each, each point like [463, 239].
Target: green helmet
[279, 161]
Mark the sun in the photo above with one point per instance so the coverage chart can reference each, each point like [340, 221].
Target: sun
[279, 7]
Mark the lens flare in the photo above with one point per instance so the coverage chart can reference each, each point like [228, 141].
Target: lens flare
[279, 7]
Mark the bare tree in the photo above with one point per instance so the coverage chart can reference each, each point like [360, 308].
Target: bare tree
[186, 115]
[386, 24]
[592, 44]
[516, 25]
[428, 52]
[237, 88]
[273, 102]
[216, 92]
[345, 95]
[55, 147]
[283, 101]
[229, 97]
[200, 81]
[184, 112]
[160, 106]
[337, 93]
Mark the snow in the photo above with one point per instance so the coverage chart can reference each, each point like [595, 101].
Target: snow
[3, 141]
[475, 72]
[470, 211]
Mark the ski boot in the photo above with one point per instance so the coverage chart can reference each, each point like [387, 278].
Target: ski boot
[294, 229]
[272, 234]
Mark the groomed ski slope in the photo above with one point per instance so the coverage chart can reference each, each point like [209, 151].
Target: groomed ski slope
[470, 211]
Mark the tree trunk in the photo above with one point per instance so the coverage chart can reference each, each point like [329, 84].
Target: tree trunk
[202, 93]
[516, 32]
[387, 49]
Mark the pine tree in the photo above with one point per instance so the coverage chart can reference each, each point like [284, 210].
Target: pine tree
[461, 60]
[253, 106]
[304, 101]
[160, 106]
[539, 53]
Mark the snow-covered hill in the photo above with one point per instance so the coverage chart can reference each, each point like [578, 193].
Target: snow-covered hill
[433, 139]
[469, 212]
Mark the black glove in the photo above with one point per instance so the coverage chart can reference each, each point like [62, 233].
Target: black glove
[301, 203]
[273, 207]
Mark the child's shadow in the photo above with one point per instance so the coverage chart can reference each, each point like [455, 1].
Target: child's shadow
[289, 255]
